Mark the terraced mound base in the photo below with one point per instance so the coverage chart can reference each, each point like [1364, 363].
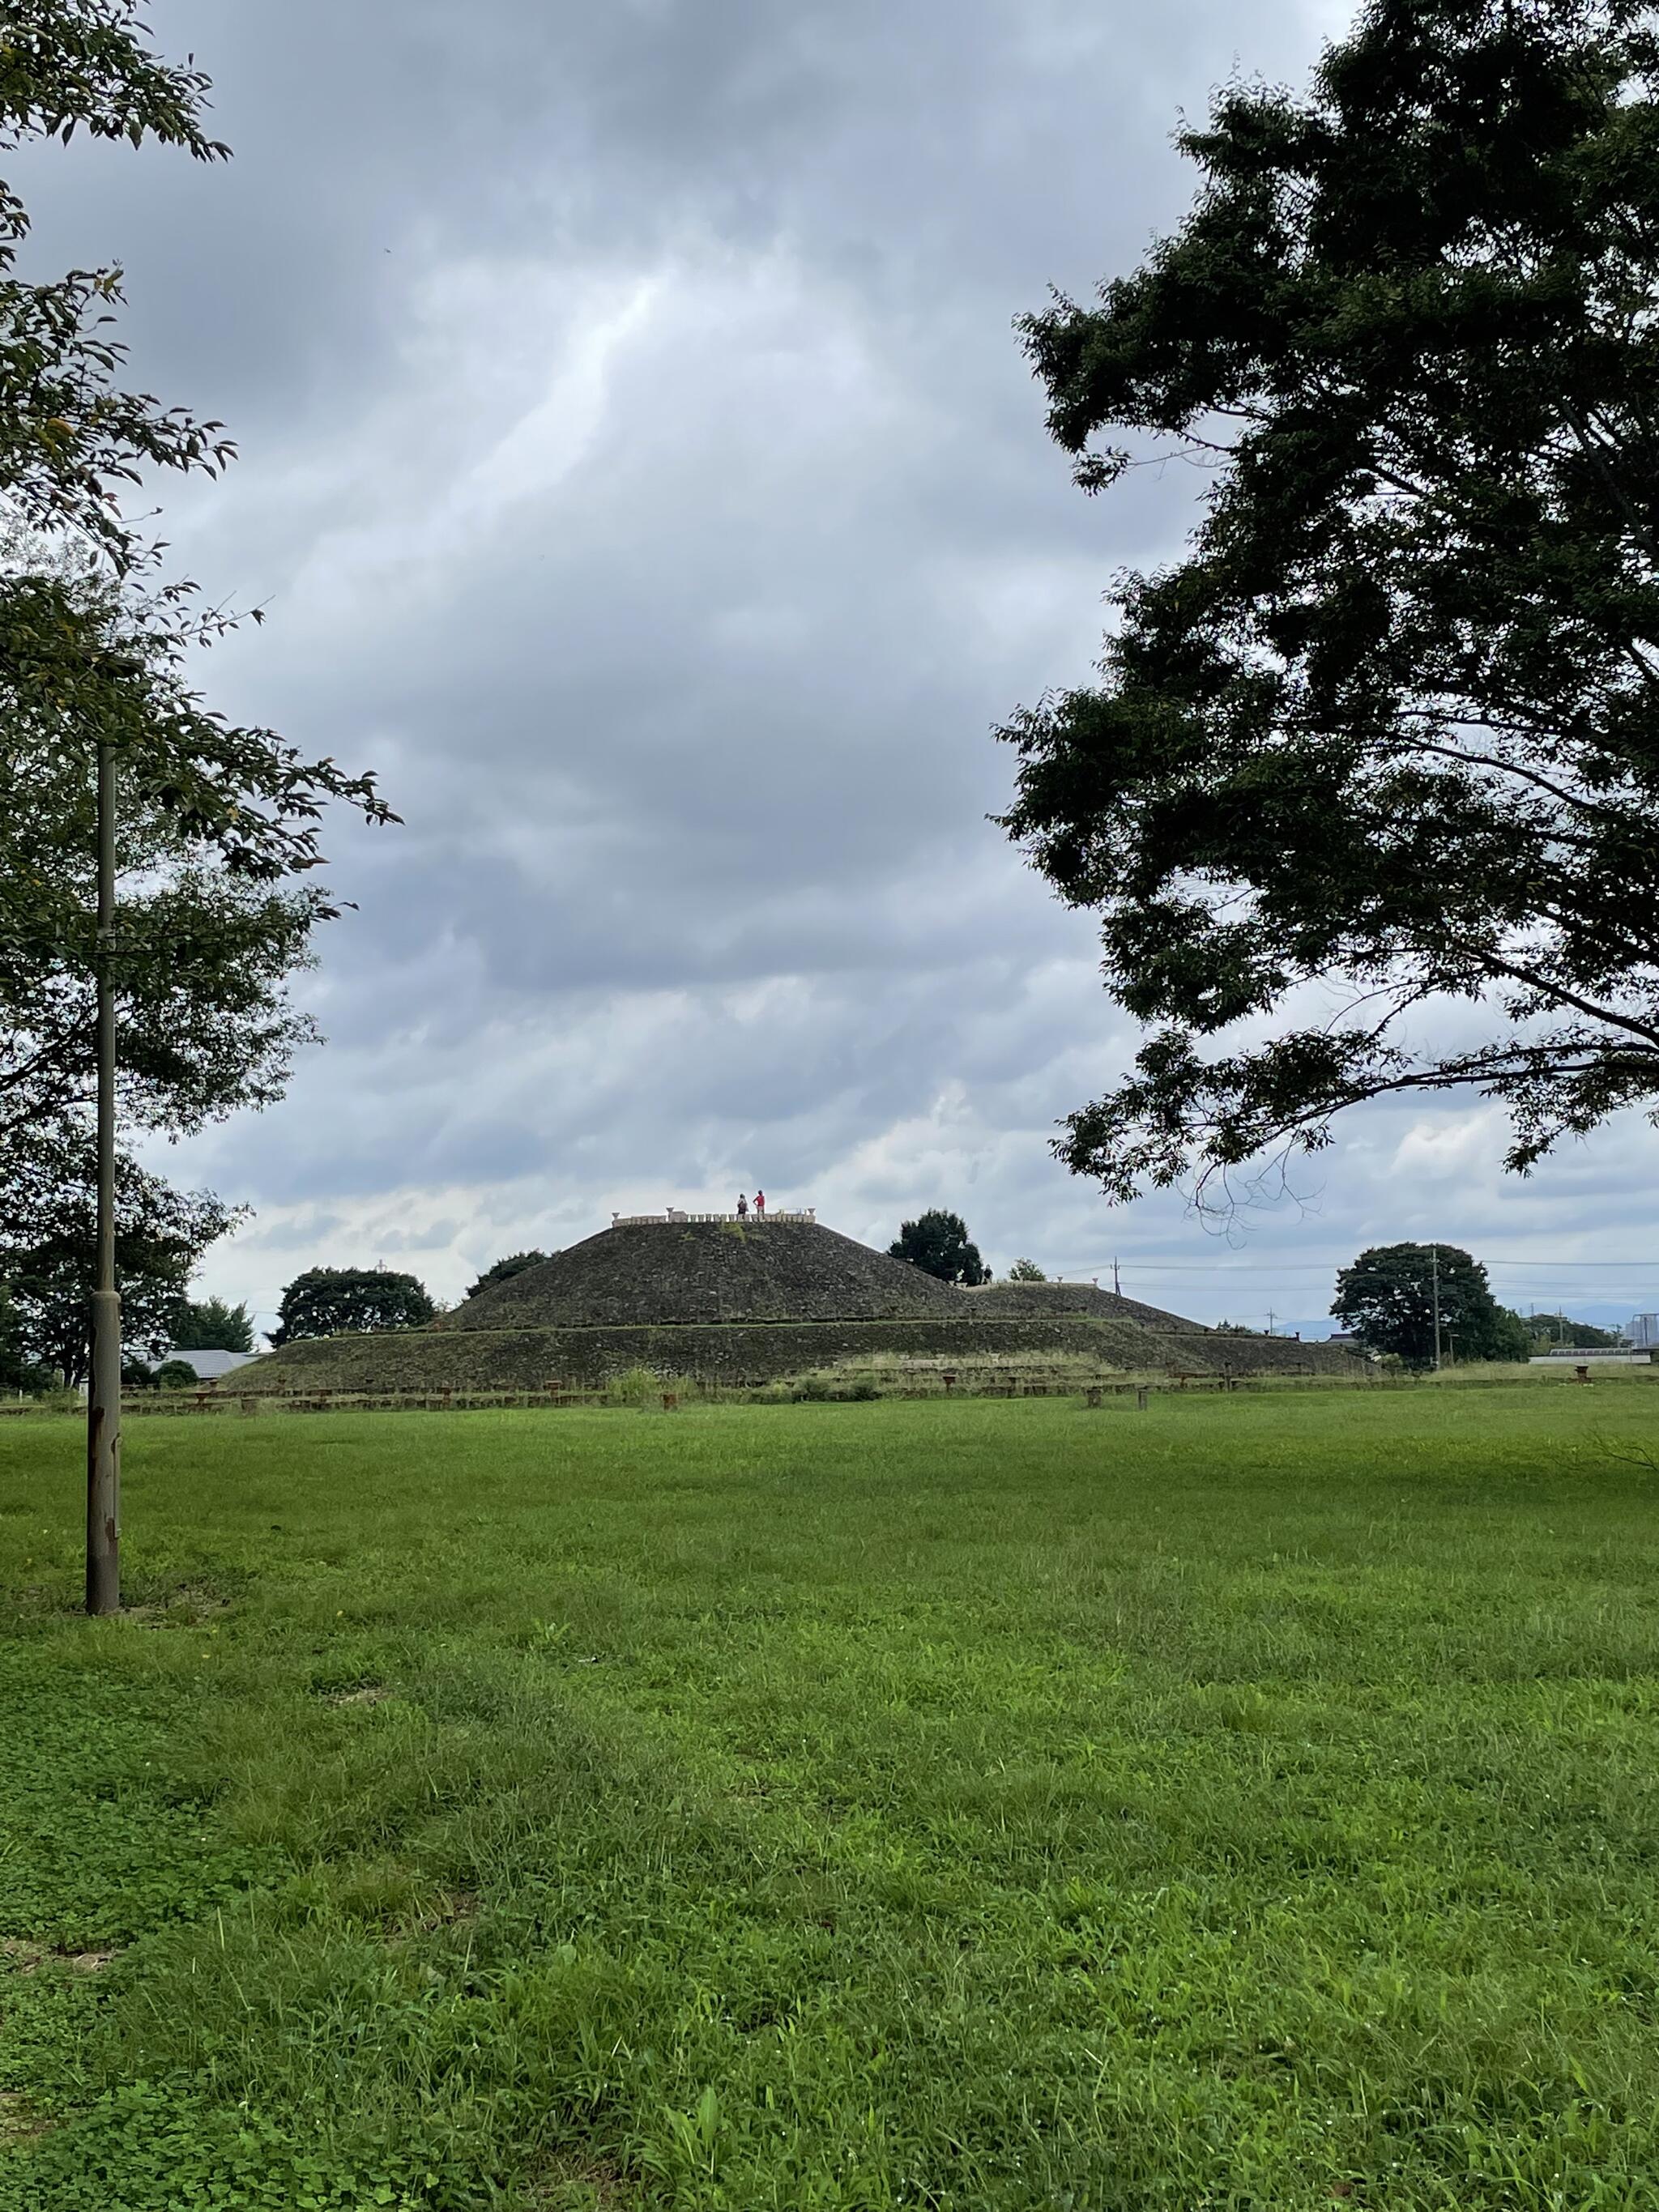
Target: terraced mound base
[729, 1357]
[1029, 1301]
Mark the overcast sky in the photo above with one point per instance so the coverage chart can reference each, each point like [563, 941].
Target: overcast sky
[640, 472]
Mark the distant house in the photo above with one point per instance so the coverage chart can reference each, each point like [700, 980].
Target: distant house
[209, 1365]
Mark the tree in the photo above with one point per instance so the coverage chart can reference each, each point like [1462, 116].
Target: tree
[69, 436]
[329, 1301]
[1389, 728]
[204, 1024]
[95, 670]
[176, 1375]
[938, 1243]
[48, 1247]
[95, 652]
[504, 1270]
[1545, 1329]
[1026, 1271]
[211, 1325]
[18, 1370]
[1387, 1300]
[90, 648]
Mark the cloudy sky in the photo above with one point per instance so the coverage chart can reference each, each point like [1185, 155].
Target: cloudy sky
[640, 472]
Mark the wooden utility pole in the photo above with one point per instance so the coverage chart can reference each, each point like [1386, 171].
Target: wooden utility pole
[104, 1394]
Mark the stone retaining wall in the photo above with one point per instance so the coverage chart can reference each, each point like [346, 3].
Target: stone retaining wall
[530, 1358]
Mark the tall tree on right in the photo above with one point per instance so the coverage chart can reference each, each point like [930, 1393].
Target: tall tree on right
[1390, 728]
[939, 1243]
[1389, 1296]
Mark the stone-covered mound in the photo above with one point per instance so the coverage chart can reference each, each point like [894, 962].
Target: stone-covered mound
[657, 1273]
[731, 1354]
[1034, 1301]
[729, 1304]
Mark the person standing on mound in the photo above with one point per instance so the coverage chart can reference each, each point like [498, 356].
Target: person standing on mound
[743, 1208]
[760, 1205]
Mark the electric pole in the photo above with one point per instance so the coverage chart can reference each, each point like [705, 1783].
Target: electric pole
[1116, 1292]
[104, 1393]
[1434, 1260]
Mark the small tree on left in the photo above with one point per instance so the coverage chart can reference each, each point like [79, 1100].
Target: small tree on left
[105, 745]
[212, 1325]
[48, 1252]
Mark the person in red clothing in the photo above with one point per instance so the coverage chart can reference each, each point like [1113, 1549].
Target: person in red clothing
[760, 1204]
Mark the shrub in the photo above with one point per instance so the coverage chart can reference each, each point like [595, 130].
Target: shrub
[633, 1385]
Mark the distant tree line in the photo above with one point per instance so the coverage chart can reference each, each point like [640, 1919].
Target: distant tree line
[342, 1301]
[43, 1335]
[1389, 1300]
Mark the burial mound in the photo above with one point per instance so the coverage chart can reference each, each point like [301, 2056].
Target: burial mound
[746, 1302]
[656, 1273]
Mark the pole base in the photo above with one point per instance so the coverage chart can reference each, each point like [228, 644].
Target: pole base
[104, 1457]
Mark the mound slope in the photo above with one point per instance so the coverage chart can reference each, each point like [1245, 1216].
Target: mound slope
[729, 1354]
[656, 1273]
[1037, 1301]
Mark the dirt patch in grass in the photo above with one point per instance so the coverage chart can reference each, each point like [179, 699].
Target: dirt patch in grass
[187, 1606]
[26, 1957]
[450, 1908]
[579, 2186]
[19, 2121]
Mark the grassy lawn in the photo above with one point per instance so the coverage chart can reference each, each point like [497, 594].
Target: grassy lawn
[1246, 1802]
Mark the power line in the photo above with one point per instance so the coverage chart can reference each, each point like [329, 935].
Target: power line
[1325, 1267]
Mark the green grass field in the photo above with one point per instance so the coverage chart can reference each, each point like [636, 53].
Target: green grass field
[1247, 1802]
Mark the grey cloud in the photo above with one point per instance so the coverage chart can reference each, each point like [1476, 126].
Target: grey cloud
[642, 473]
